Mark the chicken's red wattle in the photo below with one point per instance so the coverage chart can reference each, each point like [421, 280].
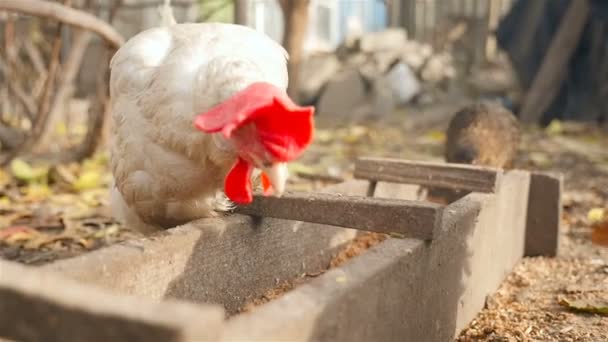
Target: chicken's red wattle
[285, 130]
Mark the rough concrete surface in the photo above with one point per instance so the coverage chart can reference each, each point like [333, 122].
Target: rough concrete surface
[405, 289]
[544, 214]
[38, 305]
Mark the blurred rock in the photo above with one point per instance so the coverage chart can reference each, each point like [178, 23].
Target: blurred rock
[381, 98]
[316, 72]
[377, 70]
[438, 68]
[391, 39]
[342, 94]
[403, 83]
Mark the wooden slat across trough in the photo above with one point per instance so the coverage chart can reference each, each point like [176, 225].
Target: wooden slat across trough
[174, 286]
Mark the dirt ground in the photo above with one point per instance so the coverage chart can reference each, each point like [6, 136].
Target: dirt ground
[41, 222]
[532, 304]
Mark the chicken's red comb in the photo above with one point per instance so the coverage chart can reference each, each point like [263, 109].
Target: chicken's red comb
[285, 129]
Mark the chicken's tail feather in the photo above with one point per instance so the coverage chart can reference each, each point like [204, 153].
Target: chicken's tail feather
[166, 14]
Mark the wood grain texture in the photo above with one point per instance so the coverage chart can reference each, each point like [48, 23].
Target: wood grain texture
[452, 176]
[410, 218]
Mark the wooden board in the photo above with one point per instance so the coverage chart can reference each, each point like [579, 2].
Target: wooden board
[452, 176]
[409, 218]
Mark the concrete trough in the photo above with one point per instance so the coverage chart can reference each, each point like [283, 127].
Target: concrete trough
[191, 282]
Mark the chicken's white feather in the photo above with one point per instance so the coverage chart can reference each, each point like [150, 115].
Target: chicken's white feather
[166, 171]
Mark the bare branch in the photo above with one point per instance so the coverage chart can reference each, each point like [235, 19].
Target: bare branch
[35, 56]
[15, 87]
[66, 15]
[66, 87]
[44, 108]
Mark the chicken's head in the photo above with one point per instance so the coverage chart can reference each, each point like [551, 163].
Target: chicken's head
[266, 129]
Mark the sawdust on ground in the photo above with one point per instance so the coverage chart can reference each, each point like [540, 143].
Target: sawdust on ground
[532, 303]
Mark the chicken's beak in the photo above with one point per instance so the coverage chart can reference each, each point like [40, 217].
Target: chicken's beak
[276, 177]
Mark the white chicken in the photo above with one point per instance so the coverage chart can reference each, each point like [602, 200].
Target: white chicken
[196, 107]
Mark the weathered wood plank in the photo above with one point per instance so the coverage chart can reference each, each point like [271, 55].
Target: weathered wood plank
[36, 305]
[417, 291]
[452, 176]
[544, 214]
[382, 215]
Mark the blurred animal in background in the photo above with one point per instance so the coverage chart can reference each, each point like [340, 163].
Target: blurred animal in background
[483, 133]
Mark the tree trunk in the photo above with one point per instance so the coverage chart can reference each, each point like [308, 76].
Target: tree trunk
[554, 68]
[295, 14]
[240, 12]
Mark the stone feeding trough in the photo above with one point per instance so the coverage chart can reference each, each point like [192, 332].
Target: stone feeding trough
[190, 283]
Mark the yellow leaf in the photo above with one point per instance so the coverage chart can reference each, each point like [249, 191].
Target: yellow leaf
[79, 130]
[295, 168]
[585, 305]
[540, 159]
[324, 136]
[5, 178]
[61, 129]
[555, 128]
[435, 135]
[88, 180]
[37, 192]
[110, 231]
[354, 134]
[94, 198]
[596, 215]
[25, 172]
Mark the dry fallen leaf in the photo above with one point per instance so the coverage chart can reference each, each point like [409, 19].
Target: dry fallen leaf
[599, 235]
[14, 234]
[555, 128]
[36, 192]
[596, 215]
[583, 305]
[540, 159]
[90, 179]
[436, 136]
[27, 173]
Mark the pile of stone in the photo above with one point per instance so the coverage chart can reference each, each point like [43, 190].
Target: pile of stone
[372, 74]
